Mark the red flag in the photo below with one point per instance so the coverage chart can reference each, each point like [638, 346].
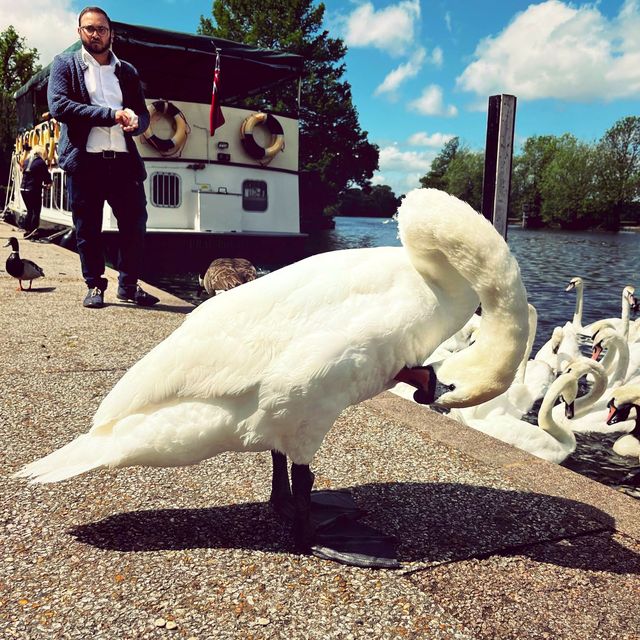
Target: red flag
[216, 119]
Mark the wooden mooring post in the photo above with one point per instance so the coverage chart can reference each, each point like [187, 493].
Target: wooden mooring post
[496, 182]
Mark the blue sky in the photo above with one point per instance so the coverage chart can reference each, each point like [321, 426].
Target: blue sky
[422, 70]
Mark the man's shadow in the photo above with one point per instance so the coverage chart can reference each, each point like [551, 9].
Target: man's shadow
[432, 523]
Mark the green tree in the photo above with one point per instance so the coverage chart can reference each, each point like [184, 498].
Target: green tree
[463, 177]
[435, 177]
[378, 201]
[332, 144]
[528, 170]
[567, 185]
[17, 65]
[618, 170]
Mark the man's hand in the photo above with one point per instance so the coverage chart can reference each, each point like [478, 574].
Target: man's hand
[127, 119]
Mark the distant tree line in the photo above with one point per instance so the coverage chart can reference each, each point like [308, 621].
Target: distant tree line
[557, 181]
[378, 201]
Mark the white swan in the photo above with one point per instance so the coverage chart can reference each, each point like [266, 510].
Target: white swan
[552, 440]
[622, 360]
[561, 349]
[629, 302]
[271, 364]
[590, 411]
[577, 284]
[621, 324]
[622, 401]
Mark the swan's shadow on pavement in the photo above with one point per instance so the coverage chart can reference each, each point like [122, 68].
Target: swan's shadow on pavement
[433, 523]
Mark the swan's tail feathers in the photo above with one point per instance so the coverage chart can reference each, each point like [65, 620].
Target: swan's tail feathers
[437, 228]
[83, 454]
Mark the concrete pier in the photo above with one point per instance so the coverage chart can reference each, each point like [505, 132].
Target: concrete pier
[494, 543]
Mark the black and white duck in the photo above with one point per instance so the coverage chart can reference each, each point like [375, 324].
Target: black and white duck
[21, 268]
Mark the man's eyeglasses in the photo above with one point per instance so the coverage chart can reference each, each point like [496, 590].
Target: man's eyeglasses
[91, 30]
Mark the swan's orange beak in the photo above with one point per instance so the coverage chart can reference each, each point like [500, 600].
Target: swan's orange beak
[596, 351]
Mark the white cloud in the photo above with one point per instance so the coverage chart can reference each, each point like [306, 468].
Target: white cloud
[47, 25]
[437, 57]
[391, 29]
[431, 103]
[447, 21]
[405, 71]
[392, 158]
[423, 139]
[555, 50]
[409, 69]
[401, 169]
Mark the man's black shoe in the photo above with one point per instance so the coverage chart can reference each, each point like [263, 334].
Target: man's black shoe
[94, 299]
[136, 295]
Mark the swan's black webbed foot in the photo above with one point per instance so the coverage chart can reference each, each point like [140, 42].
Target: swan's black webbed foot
[325, 523]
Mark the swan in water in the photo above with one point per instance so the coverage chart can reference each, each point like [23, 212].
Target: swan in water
[552, 440]
[622, 401]
[590, 410]
[270, 365]
[561, 349]
[629, 303]
[622, 360]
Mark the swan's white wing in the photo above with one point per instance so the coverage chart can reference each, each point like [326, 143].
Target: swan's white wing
[339, 325]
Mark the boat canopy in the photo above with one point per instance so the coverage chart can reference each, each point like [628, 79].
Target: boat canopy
[178, 66]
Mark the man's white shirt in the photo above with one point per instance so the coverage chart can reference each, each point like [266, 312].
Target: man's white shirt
[104, 91]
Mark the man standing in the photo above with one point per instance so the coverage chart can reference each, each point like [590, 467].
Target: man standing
[99, 102]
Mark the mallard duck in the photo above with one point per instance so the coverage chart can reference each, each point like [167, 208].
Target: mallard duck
[21, 268]
[271, 365]
[226, 273]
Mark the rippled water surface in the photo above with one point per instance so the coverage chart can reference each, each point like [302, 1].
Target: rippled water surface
[548, 260]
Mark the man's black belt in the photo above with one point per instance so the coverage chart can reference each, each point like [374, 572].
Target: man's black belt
[109, 155]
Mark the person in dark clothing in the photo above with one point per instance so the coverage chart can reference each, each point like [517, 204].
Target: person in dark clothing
[35, 174]
[98, 100]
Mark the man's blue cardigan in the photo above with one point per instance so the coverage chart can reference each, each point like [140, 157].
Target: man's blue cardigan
[69, 104]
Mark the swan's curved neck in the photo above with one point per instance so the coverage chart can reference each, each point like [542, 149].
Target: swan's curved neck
[577, 313]
[533, 327]
[584, 404]
[559, 432]
[616, 360]
[625, 313]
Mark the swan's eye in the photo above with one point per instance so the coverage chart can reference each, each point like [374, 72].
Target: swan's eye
[451, 387]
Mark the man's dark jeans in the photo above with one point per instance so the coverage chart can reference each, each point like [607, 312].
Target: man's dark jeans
[99, 180]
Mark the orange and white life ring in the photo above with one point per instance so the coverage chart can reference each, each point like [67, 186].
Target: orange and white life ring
[262, 154]
[167, 146]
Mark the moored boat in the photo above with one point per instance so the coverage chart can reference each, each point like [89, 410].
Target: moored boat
[236, 192]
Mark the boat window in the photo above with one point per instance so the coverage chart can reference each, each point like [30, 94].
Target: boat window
[254, 195]
[165, 189]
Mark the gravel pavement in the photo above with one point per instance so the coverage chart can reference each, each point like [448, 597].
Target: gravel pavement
[494, 543]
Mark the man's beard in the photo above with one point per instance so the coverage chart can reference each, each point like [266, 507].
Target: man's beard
[97, 46]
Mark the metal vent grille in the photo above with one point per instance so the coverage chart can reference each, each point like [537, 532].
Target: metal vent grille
[165, 189]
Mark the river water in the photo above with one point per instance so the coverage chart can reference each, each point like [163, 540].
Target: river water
[548, 260]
